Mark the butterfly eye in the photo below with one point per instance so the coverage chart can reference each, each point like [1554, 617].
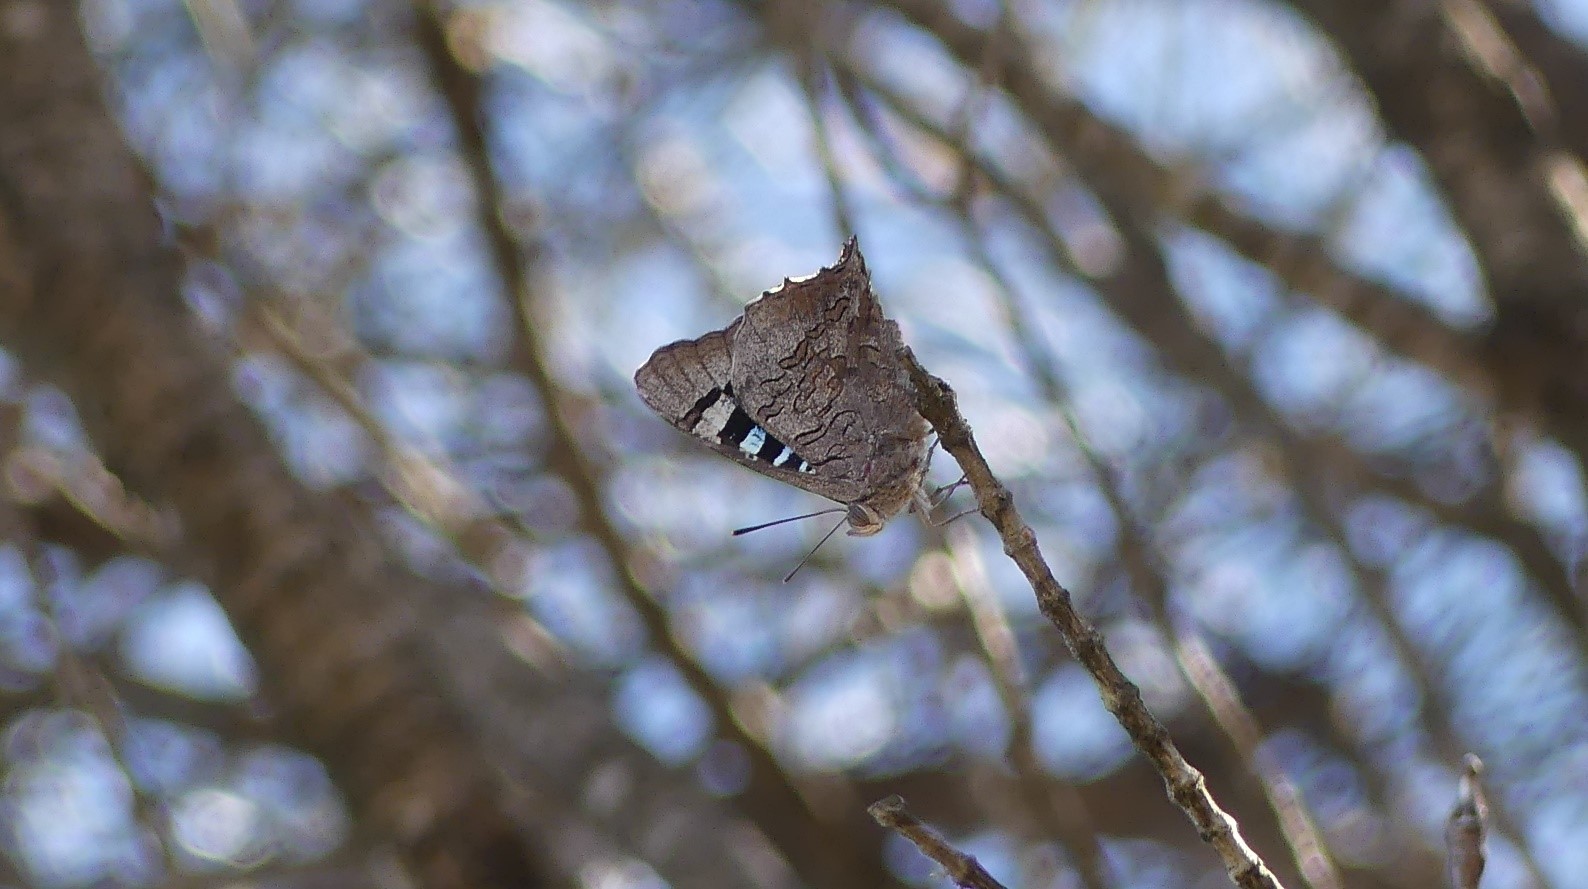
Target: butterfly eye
[863, 520]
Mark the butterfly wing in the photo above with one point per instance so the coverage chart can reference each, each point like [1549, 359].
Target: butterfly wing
[690, 383]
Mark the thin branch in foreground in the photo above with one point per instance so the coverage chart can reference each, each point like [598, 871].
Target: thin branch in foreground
[1466, 829]
[936, 401]
[964, 870]
[1055, 806]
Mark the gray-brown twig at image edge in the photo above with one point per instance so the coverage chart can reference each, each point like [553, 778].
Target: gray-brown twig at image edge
[937, 403]
[964, 870]
[1466, 828]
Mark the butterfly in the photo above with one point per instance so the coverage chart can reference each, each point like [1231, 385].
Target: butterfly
[805, 387]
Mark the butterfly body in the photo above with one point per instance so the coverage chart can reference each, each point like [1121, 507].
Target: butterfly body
[805, 387]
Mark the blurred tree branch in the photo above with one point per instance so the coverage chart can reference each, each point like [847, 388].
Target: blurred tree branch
[1330, 463]
[1557, 64]
[1116, 167]
[90, 299]
[1448, 82]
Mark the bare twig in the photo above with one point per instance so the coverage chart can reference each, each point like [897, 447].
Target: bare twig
[964, 870]
[1055, 806]
[1148, 572]
[1466, 829]
[937, 403]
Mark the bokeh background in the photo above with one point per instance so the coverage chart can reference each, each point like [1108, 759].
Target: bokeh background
[339, 551]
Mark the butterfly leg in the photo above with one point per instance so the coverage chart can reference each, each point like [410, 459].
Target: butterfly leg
[941, 494]
[938, 523]
[926, 502]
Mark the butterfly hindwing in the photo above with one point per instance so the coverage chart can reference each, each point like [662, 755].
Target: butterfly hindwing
[690, 384]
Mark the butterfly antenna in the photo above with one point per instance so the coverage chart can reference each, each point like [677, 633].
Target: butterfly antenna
[809, 515]
[814, 548]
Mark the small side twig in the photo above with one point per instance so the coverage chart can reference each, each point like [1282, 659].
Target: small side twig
[1467, 827]
[964, 870]
[936, 401]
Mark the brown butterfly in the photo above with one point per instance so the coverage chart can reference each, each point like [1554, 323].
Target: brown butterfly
[805, 387]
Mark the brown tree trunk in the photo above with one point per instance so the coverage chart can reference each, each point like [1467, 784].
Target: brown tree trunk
[90, 300]
[451, 749]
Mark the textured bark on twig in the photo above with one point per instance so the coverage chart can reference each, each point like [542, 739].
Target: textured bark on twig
[937, 403]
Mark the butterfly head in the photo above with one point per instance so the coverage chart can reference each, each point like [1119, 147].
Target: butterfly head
[864, 521]
[867, 516]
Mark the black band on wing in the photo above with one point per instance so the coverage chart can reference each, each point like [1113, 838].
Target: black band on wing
[703, 404]
[738, 427]
[717, 416]
[739, 430]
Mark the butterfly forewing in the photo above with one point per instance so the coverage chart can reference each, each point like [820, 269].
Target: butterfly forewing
[805, 388]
